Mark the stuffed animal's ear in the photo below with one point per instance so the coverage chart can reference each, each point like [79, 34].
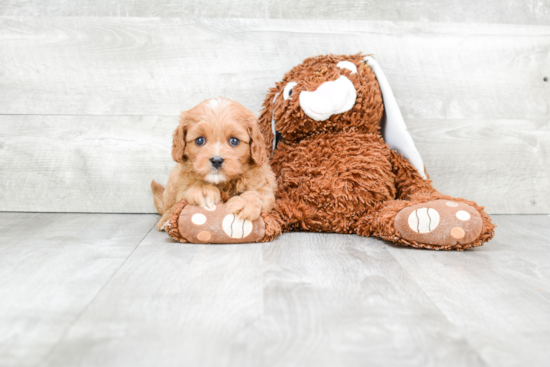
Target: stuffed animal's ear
[394, 130]
[178, 142]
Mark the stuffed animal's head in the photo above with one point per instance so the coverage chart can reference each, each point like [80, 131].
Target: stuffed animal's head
[323, 94]
[332, 93]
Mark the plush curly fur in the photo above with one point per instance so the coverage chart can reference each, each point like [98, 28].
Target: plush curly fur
[339, 175]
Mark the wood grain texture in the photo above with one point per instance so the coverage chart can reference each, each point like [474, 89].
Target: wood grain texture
[173, 305]
[106, 163]
[473, 96]
[503, 165]
[343, 300]
[83, 163]
[471, 11]
[137, 66]
[51, 267]
[497, 295]
[76, 291]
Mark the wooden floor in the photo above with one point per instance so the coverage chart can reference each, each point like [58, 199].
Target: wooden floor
[108, 290]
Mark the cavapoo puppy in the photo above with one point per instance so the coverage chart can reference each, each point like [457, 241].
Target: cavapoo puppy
[218, 148]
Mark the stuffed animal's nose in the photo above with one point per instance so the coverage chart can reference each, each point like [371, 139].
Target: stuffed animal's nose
[216, 162]
[326, 90]
[333, 97]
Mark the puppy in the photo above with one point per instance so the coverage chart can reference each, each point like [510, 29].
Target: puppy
[218, 147]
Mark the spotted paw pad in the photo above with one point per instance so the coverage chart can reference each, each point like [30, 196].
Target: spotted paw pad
[213, 225]
[439, 223]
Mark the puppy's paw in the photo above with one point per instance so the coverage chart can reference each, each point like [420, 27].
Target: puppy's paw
[244, 208]
[203, 195]
[161, 225]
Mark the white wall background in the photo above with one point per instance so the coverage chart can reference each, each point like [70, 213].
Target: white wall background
[90, 90]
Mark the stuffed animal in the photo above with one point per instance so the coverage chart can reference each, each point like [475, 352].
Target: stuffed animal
[345, 163]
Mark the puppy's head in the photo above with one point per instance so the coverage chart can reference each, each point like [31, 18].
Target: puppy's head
[219, 138]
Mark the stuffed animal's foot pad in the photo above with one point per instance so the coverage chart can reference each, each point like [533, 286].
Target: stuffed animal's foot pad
[439, 223]
[213, 225]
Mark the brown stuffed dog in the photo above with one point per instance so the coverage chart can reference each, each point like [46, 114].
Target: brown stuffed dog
[346, 163]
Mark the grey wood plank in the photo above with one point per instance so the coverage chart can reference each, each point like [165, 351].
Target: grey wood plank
[173, 305]
[497, 295]
[481, 11]
[305, 299]
[11, 219]
[443, 91]
[106, 163]
[159, 66]
[501, 164]
[51, 267]
[83, 163]
[343, 300]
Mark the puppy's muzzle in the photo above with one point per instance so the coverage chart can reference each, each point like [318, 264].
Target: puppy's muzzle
[216, 162]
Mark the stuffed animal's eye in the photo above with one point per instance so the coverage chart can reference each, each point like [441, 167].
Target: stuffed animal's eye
[234, 141]
[347, 65]
[200, 141]
[288, 90]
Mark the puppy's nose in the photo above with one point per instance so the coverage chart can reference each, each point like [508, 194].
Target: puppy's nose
[216, 162]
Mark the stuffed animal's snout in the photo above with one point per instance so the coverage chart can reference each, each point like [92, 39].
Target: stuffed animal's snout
[328, 99]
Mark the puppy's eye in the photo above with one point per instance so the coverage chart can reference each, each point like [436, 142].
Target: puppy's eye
[287, 92]
[200, 141]
[234, 141]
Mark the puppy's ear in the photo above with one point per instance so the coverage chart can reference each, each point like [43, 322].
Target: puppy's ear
[178, 143]
[258, 151]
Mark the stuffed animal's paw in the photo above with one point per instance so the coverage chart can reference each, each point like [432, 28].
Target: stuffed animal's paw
[213, 224]
[439, 223]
